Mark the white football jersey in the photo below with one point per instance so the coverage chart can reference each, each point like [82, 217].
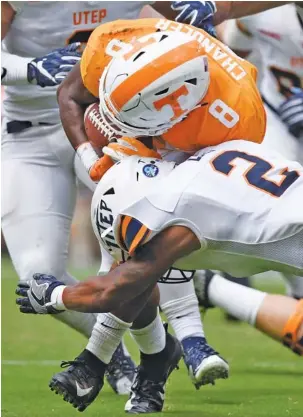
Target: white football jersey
[277, 35]
[38, 28]
[242, 201]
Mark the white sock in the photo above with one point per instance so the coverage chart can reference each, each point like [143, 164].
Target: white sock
[106, 336]
[184, 316]
[237, 300]
[151, 339]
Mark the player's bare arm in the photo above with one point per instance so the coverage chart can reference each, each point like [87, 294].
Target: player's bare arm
[7, 17]
[73, 98]
[124, 283]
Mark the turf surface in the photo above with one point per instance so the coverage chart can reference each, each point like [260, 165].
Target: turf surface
[266, 379]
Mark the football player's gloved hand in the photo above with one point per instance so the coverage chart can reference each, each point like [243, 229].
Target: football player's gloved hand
[51, 69]
[196, 13]
[126, 147]
[38, 296]
[100, 167]
[114, 152]
[291, 112]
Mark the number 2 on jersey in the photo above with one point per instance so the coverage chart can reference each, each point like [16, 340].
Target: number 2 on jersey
[255, 174]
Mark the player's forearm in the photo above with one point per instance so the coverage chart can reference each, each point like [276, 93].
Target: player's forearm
[7, 17]
[72, 118]
[91, 296]
[72, 110]
[73, 98]
[236, 9]
[109, 292]
[126, 281]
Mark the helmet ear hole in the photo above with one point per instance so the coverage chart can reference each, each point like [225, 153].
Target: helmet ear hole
[162, 91]
[192, 81]
[163, 37]
[138, 56]
[109, 191]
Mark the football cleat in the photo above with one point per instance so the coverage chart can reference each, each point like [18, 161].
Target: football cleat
[203, 363]
[78, 385]
[147, 394]
[120, 372]
[202, 280]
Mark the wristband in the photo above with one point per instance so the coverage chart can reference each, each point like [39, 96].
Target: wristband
[14, 69]
[56, 298]
[87, 154]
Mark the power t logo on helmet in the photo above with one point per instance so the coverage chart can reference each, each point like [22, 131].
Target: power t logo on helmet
[152, 83]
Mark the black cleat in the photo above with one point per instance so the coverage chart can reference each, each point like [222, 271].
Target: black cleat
[201, 281]
[147, 392]
[120, 372]
[79, 384]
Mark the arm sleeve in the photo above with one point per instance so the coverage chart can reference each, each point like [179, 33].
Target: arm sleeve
[14, 69]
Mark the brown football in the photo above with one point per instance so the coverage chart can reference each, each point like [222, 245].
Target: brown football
[94, 133]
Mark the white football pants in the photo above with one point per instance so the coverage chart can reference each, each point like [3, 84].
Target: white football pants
[38, 199]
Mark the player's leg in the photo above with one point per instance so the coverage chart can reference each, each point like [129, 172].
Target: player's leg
[80, 384]
[160, 353]
[38, 197]
[278, 316]
[120, 372]
[180, 305]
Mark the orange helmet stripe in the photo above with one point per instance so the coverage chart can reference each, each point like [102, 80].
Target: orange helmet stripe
[154, 70]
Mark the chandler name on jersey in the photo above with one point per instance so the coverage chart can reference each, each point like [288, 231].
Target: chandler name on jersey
[239, 199]
[232, 107]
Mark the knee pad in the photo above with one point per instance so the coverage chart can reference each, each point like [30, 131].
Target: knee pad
[290, 331]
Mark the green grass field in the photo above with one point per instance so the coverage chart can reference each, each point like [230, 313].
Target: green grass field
[266, 379]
